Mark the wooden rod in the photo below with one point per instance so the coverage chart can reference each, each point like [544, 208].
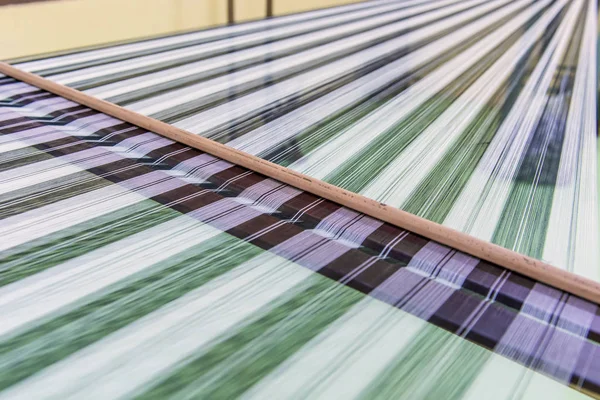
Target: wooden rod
[269, 10]
[522, 264]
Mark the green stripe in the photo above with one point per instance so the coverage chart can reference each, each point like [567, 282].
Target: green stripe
[358, 171]
[303, 144]
[51, 250]
[21, 157]
[449, 361]
[525, 217]
[361, 169]
[522, 229]
[233, 366]
[331, 127]
[49, 192]
[119, 306]
[436, 194]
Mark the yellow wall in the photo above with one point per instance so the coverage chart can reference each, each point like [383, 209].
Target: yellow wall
[246, 10]
[281, 7]
[49, 26]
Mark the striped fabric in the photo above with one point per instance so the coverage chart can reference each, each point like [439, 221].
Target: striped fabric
[133, 266]
[476, 114]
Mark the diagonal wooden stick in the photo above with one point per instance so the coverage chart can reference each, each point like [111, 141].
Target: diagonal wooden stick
[501, 256]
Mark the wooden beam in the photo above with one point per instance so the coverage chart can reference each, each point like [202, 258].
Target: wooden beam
[269, 5]
[501, 256]
[230, 11]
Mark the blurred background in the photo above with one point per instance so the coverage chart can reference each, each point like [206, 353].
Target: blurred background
[29, 27]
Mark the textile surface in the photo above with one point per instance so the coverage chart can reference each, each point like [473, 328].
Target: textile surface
[133, 266]
[479, 115]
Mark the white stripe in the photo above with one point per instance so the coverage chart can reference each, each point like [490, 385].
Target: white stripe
[54, 168]
[345, 358]
[398, 181]
[507, 146]
[272, 134]
[227, 82]
[329, 156]
[235, 43]
[137, 354]
[54, 217]
[42, 294]
[207, 35]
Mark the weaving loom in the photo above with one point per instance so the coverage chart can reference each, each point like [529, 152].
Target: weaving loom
[479, 115]
[135, 266]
